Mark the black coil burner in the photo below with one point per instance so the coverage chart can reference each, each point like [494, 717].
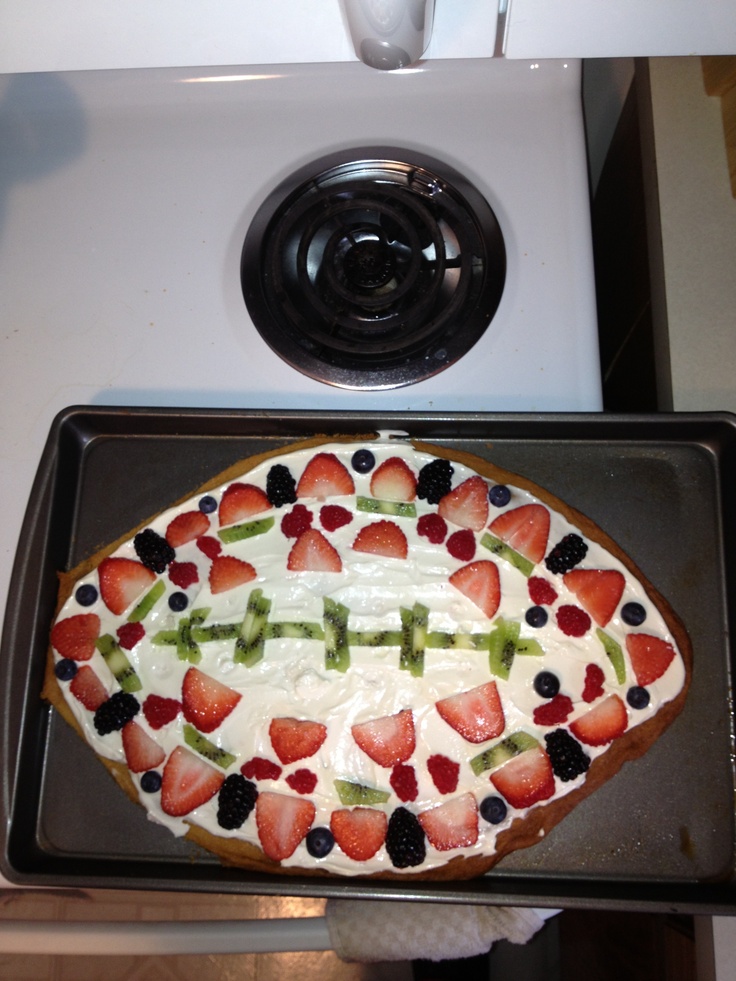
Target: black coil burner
[373, 268]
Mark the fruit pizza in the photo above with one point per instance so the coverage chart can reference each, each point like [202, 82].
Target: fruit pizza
[373, 658]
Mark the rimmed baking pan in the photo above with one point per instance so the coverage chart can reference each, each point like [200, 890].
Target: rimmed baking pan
[658, 837]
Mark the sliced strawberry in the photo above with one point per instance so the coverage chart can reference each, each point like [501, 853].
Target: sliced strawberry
[296, 739]
[388, 740]
[382, 538]
[242, 501]
[453, 824]
[525, 779]
[311, 552]
[227, 572]
[205, 700]
[141, 751]
[476, 714]
[187, 782]
[122, 582]
[480, 582]
[88, 689]
[467, 504]
[394, 480]
[75, 636]
[525, 529]
[650, 657]
[359, 831]
[187, 527]
[324, 476]
[282, 823]
[598, 591]
[604, 722]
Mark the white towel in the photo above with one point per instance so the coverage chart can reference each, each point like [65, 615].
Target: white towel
[376, 930]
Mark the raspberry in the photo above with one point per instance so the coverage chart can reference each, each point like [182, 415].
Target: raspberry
[403, 780]
[260, 769]
[333, 516]
[297, 521]
[160, 711]
[541, 592]
[554, 711]
[594, 678]
[302, 781]
[209, 545]
[444, 773]
[183, 574]
[433, 527]
[573, 621]
[461, 545]
[129, 634]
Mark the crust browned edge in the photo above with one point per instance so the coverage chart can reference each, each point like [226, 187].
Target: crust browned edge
[524, 831]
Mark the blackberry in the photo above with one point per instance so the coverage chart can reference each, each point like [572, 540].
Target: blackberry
[405, 839]
[153, 550]
[236, 800]
[116, 712]
[566, 554]
[435, 480]
[567, 756]
[280, 486]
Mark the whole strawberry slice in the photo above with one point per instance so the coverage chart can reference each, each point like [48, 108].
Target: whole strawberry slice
[467, 504]
[187, 782]
[206, 702]
[186, 527]
[453, 824]
[227, 572]
[480, 582]
[88, 689]
[388, 740]
[311, 552]
[325, 476]
[525, 529]
[382, 538]
[650, 657]
[141, 751]
[241, 501]
[296, 739]
[394, 480]
[122, 582]
[603, 723]
[359, 831]
[75, 636]
[525, 779]
[282, 823]
[598, 591]
[476, 714]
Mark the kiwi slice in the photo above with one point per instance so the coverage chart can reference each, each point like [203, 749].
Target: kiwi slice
[186, 648]
[294, 630]
[337, 651]
[250, 644]
[615, 654]
[413, 639]
[504, 644]
[141, 610]
[502, 751]
[118, 663]
[200, 744]
[397, 509]
[248, 529]
[504, 551]
[357, 794]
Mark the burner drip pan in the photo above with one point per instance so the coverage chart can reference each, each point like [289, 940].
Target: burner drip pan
[373, 268]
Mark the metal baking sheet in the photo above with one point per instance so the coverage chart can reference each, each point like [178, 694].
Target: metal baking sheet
[658, 837]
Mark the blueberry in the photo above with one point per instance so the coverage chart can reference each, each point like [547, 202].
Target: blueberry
[151, 782]
[65, 669]
[86, 594]
[546, 684]
[536, 616]
[320, 842]
[499, 495]
[637, 697]
[492, 810]
[207, 504]
[363, 461]
[178, 602]
[633, 613]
